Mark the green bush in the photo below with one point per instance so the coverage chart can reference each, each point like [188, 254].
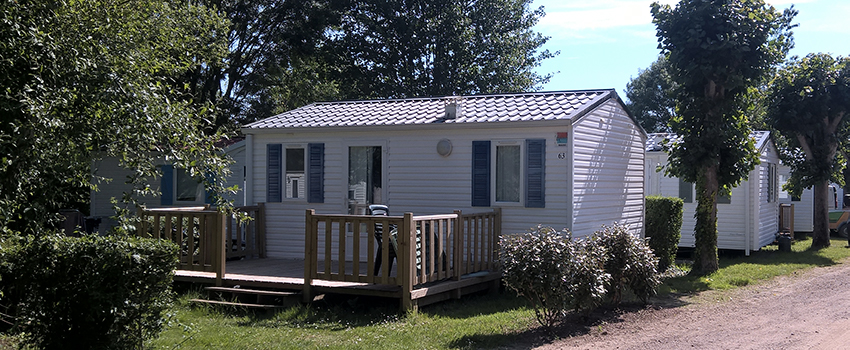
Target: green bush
[87, 293]
[664, 228]
[628, 260]
[553, 272]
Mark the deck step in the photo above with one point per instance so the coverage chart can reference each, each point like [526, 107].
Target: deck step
[251, 291]
[230, 303]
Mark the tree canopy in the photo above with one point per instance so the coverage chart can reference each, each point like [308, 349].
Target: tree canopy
[285, 54]
[809, 103]
[89, 79]
[651, 97]
[717, 50]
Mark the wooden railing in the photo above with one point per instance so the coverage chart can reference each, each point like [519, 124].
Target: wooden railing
[247, 238]
[206, 237]
[786, 218]
[428, 248]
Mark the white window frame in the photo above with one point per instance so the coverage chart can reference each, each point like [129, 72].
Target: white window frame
[494, 168]
[384, 166]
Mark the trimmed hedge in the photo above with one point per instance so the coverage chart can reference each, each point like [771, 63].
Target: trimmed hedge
[664, 228]
[87, 293]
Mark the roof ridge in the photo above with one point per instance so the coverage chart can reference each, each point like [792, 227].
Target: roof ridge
[445, 97]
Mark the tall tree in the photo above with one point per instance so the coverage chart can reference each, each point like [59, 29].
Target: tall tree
[414, 48]
[809, 103]
[88, 79]
[651, 97]
[273, 47]
[717, 49]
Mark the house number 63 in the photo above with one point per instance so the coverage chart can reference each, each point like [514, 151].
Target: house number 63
[562, 155]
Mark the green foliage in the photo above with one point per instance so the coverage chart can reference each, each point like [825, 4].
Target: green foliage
[628, 260]
[553, 272]
[808, 104]
[430, 48]
[87, 293]
[651, 98]
[718, 51]
[83, 80]
[664, 228]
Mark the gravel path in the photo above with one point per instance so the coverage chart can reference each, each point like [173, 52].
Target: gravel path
[807, 310]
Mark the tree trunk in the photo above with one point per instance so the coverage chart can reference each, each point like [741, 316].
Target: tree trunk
[820, 233]
[705, 231]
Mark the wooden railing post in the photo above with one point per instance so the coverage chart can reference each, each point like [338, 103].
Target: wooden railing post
[310, 256]
[457, 254]
[406, 254]
[497, 232]
[220, 251]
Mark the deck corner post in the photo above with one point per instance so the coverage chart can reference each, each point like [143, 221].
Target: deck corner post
[496, 239]
[220, 251]
[309, 256]
[457, 254]
[405, 260]
[260, 227]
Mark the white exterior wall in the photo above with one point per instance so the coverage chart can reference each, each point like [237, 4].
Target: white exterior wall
[768, 211]
[416, 179]
[608, 171]
[237, 174]
[747, 221]
[803, 209]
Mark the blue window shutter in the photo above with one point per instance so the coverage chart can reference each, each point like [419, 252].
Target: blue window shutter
[480, 173]
[273, 173]
[208, 195]
[535, 173]
[166, 185]
[316, 173]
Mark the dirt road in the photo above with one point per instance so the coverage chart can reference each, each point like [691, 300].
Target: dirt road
[808, 310]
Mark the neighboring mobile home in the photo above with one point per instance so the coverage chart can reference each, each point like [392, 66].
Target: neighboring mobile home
[571, 159]
[177, 188]
[747, 220]
[804, 206]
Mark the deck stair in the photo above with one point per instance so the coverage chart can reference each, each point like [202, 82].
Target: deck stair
[249, 298]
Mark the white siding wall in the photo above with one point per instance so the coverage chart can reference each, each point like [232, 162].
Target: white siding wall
[237, 174]
[803, 209]
[608, 171]
[768, 211]
[417, 179]
[101, 205]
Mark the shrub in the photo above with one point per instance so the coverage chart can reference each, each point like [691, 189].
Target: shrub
[87, 293]
[664, 228]
[628, 260]
[552, 272]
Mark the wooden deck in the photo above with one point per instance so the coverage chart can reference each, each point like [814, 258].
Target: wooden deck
[437, 257]
[288, 274]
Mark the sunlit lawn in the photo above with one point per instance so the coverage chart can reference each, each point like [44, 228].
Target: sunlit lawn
[486, 321]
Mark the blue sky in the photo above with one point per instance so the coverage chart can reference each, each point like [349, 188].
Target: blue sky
[603, 43]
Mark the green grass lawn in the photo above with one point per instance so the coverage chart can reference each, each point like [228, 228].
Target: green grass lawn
[485, 321]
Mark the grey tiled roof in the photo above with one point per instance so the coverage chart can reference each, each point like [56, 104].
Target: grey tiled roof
[533, 106]
[653, 141]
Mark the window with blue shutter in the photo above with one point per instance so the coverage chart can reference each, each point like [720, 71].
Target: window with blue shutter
[316, 173]
[481, 173]
[166, 185]
[535, 170]
[273, 172]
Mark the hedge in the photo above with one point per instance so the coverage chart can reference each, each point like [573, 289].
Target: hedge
[664, 228]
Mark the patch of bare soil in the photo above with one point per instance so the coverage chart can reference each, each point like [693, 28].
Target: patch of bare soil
[807, 310]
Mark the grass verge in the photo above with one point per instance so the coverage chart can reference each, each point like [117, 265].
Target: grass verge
[767, 263]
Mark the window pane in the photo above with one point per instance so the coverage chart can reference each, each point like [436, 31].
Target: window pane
[507, 173]
[364, 178]
[188, 190]
[295, 182]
